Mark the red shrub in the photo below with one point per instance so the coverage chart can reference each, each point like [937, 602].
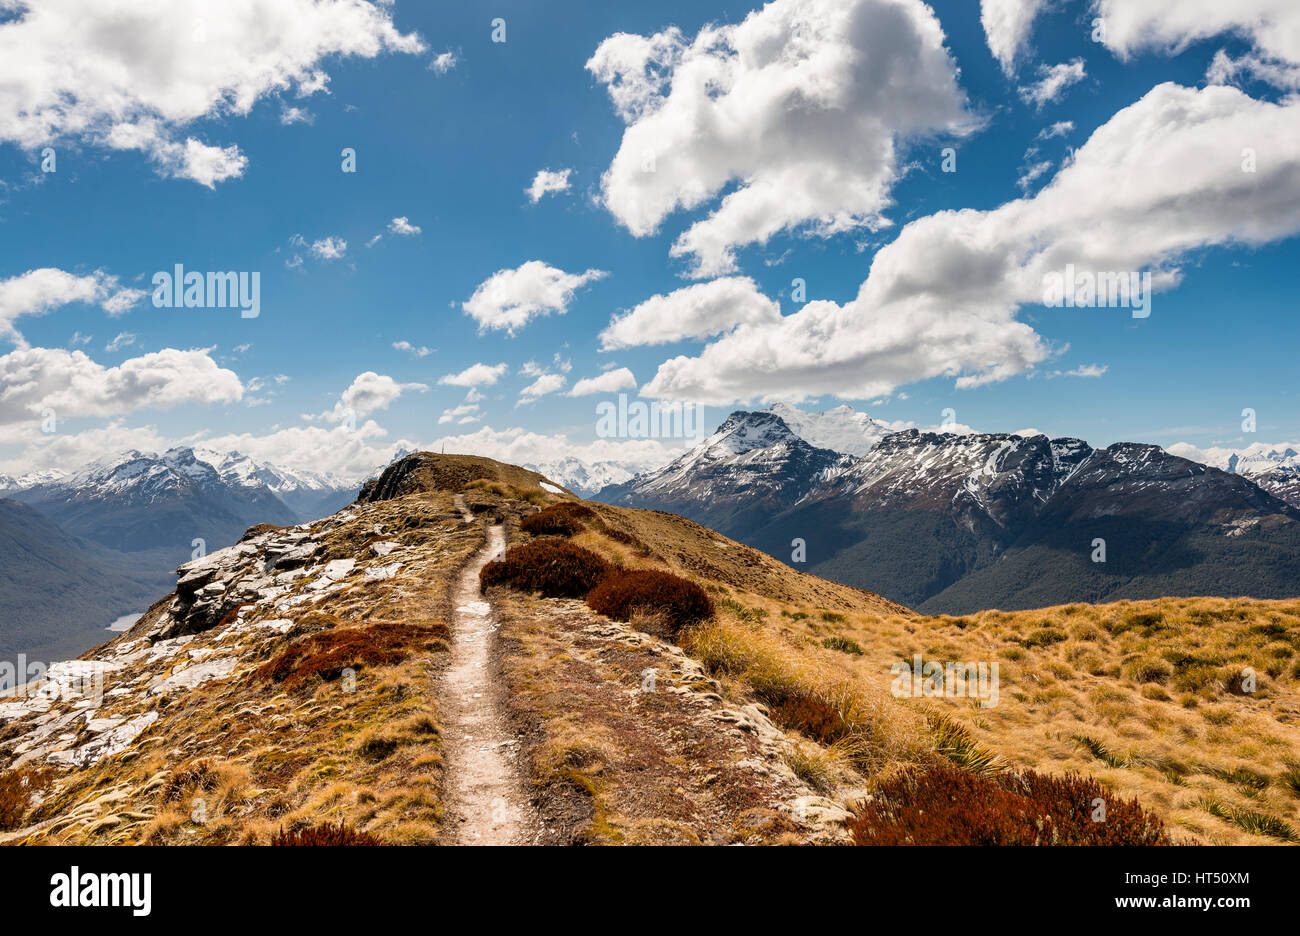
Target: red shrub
[811, 717]
[948, 806]
[563, 519]
[327, 835]
[679, 601]
[326, 655]
[554, 567]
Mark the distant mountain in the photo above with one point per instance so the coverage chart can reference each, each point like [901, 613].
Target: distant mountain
[956, 523]
[1274, 468]
[582, 477]
[136, 502]
[58, 593]
[310, 495]
[747, 472]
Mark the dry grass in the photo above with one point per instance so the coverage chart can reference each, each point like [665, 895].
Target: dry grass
[1146, 696]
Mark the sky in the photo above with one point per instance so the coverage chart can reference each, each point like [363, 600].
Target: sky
[472, 227]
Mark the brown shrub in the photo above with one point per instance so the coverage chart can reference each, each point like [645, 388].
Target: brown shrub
[326, 834]
[554, 567]
[811, 717]
[680, 602]
[17, 787]
[327, 654]
[949, 806]
[564, 519]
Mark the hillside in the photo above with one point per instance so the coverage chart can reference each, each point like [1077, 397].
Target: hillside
[59, 593]
[388, 668]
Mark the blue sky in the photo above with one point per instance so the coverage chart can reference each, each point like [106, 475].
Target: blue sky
[452, 150]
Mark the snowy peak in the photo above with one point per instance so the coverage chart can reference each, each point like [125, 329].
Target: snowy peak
[581, 477]
[842, 429]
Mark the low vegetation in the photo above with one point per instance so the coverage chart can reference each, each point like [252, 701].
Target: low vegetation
[676, 601]
[325, 834]
[949, 806]
[18, 789]
[562, 519]
[554, 567]
[325, 656]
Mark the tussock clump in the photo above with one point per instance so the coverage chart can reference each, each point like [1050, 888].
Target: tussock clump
[326, 655]
[949, 806]
[17, 789]
[554, 567]
[679, 602]
[563, 519]
[812, 717]
[326, 834]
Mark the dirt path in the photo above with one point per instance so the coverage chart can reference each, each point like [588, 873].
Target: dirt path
[486, 804]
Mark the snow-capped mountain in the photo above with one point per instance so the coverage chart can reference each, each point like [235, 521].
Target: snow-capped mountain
[1275, 468]
[584, 478]
[842, 429]
[954, 522]
[308, 494]
[751, 468]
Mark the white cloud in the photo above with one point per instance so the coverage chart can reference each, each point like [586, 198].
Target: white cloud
[476, 375]
[519, 446]
[329, 248]
[293, 115]
[403, 227]
[612, 381]
[1007, 27]
[443, 62]
[546, 182]
[696, 311]
[42, 290]
[73, 385]
[367, 393]
[1060, 128]
[133, 74]
[123, 340]
[1032, 173]
[1087, 370]
[941, 299]
[544, 385]
[1272, 26]
[1053, 81]
[510, 298]
[803, 104]
[411, 349]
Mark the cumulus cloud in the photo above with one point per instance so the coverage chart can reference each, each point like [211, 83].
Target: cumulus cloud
[1052, 83]
[544, 385]
[403, 227]
[941, 299]
[443, 62]
[1170, 26]
[696, 311]
[546, 182]
[73, 386]
[134, 74]
[42, 290]
[509, 299]
[519, 446]
[420, 351]
[802, 105]
[367, 393]
[1007, 26]
[476, 375]
[612, 381]
[329, 248]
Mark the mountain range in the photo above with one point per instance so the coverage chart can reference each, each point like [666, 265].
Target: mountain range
[955, 523]
[87, 547]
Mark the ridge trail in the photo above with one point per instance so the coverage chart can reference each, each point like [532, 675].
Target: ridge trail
[485, 798]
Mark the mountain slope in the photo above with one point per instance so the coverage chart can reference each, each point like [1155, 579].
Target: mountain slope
[749, 470]
[58, 594]
[956, 523]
